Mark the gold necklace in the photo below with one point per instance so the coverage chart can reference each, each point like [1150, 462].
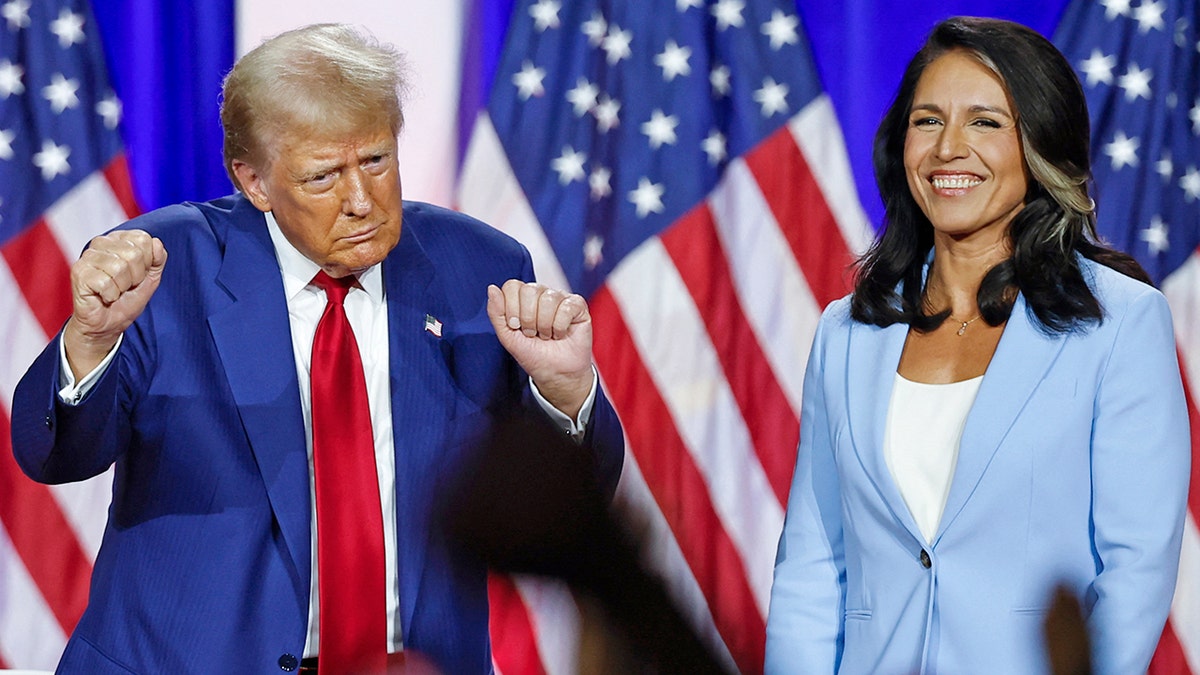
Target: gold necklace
[963, 328]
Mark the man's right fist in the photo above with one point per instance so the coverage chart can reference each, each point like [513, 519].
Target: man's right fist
[110, 285]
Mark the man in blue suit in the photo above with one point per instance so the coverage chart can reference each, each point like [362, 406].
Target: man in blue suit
[192, 376]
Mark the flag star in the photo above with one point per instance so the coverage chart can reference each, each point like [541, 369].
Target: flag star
[52, 159]
[616, 44]
[1155, 236]
[674, 60]
[529, 81]
[685, 5]
[772, 97]
[569, 165]
[595, 28]
[1181, 26]
[1136, 82]
[1115, 8]
[68, 27]
[1194, 116]
[583, 97]
[1098, 67]
[718, 79]
[660, 129]
[781, 29]
[598, 183]
[1123, 150]
[1191, 184]
[16, 12]
[545, 14]
[10, 79]
[1165, 167]
[593, 251]
[647, 197]
[1149, 16]
[714, 146]
[606, 112]
[6, 139]
[110, 109]
[61, 93]
[729, 13]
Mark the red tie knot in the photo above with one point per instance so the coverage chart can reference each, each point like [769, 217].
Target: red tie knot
[335, 289]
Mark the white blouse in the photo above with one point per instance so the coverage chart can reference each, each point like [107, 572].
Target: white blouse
[924, 428]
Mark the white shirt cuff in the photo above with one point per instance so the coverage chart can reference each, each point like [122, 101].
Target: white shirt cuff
[575, 428]
[72, 392]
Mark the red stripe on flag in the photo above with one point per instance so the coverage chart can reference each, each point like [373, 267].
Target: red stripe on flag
[514, 649]
[693, 243]
[117, 175]
[678, 487]
[43, 274]
[1169, 658]
[799, 206]
[43, 538]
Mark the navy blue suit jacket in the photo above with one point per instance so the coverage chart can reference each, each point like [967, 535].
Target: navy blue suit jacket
[205, 562]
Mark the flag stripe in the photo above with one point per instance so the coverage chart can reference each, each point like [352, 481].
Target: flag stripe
[121, 184]
[30, 635]
[1185, 609]
[779, 304]
[774, 429]
[495, 195]
[816, 132]
[686, 371]
[555, 620]
[678, 487]
[514, 650]
[42, 274]
[1168, 658]
[795, 198]
[635, 502]
[56, 563]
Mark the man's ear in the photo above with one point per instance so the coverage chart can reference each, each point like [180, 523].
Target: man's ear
[252, 185]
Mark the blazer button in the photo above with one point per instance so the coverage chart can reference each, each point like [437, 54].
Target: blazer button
[49, 422]
[288, 662]
[925, 561]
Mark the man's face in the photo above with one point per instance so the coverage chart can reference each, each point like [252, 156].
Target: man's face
[336, 196]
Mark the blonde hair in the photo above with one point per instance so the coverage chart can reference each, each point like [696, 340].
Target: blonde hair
[319, 77]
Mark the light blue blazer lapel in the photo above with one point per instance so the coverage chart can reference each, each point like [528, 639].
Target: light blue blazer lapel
[1022, 359]
[253, 338]
[873, 354]
[417, 422]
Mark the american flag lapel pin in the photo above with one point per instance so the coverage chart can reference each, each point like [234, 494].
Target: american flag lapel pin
[433, 326]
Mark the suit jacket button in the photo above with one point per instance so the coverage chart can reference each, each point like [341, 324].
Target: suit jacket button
[925, 561]
[288, 662]
[49, 422]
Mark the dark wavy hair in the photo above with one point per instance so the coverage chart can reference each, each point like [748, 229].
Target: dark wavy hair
[1057, 223]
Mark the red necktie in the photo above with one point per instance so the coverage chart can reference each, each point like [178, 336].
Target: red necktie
[353, 620]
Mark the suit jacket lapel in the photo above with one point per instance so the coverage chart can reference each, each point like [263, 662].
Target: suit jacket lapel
[873, 355]
[253, 338]
[418, 422]
[1021, 361]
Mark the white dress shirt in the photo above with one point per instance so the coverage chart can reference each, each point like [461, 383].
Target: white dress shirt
[924, 429]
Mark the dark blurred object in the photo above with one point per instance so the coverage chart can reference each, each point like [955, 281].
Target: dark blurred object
[1067, 644]
[530, 504]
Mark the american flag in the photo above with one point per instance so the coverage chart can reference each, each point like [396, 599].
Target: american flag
[63, 179]
[1140, 68]
[677, 163]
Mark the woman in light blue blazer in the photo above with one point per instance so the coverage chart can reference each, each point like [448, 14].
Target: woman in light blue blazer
[996, 409]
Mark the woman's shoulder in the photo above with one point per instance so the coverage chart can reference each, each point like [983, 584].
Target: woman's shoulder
[1117, 291]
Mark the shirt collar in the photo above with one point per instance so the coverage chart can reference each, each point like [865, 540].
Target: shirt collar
[298, 271]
